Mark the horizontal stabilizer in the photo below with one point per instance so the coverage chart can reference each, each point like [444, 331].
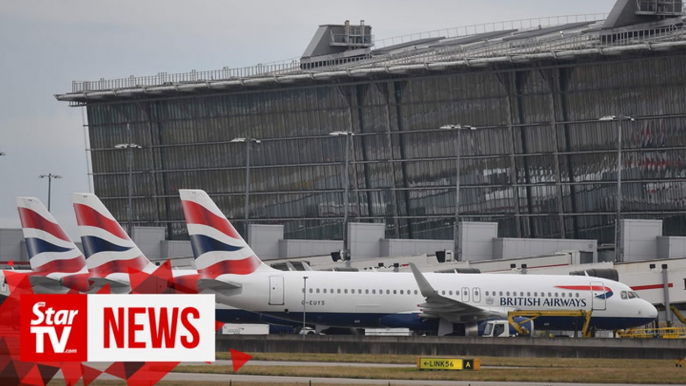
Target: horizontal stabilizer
[217, 285]
[47, 285]
[116, 286]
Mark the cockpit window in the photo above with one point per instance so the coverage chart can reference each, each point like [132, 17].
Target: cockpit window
[633, 295]
[624, 295]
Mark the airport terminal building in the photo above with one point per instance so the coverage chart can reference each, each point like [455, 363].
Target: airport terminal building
[538, 160]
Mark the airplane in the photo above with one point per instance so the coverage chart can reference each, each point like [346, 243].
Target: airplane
[416, 300]
[57, 265]
[110, 252]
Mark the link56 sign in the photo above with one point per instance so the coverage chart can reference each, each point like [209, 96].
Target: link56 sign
[433, 363]
[126, 328]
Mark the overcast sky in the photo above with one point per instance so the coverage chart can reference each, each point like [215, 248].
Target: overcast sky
[46, 44]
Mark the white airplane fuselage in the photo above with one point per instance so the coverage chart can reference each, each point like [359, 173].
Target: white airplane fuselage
[375, 299]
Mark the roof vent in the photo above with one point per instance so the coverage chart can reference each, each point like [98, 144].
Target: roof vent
[660, 7]
[334, 44]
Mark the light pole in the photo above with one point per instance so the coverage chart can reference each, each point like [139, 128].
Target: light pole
[347, 135]
[618, 118]
[304, 331]
[248, 142]
[129, 163]
[50, 177]
[458, 150]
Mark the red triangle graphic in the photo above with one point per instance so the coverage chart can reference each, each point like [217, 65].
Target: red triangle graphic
[89, 374]
[72, 372]
[239, 359]
[32, 377]
[105, 290]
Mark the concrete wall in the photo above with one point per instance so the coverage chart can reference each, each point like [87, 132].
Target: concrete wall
[404, 247]
[639, 239]
[149, 241]
[264, 240]
[671, 247]
[458, 346]
[476, 240]
[12, 245]
[364, 239]
[173, 249]
[304, 248]
[507, 248]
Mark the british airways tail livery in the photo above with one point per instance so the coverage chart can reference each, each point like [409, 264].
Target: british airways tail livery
[416, 300]
[109, 250]
[217, 246]
[53, 256]
[48, 246]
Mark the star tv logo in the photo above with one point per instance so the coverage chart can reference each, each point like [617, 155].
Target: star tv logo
[53, 328]
[124, 328]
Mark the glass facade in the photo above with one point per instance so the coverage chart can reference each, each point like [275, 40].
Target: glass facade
[541, 164]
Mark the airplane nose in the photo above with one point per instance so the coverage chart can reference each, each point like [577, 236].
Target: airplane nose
[650, 311]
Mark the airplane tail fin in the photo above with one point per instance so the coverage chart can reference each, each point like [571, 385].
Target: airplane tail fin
[49, 247]
[217, 247]
[107, 247]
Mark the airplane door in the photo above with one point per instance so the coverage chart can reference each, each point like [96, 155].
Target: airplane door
[598, 295]
[465, 294]
[276, 290]
[476, 295]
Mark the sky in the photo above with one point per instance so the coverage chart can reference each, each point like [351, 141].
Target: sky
[47, 44]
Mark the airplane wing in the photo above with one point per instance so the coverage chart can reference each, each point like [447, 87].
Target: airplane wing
[439, 306]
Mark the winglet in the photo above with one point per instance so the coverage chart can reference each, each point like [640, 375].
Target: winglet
[424, 286]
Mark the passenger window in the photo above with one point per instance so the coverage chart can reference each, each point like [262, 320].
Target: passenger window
[366, 292]
[415, 292]
[402, 292]
[388, 292]
[339, 290]
[528, 294]
[394, 292]
[317, 290]
[508, 293]
[501, 293]
[563, 294]
[311, 290]
[345, 290]
[373, 292]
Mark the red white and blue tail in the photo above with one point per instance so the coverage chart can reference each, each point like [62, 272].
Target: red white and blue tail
[49, 248]
[107, 247]
[217, 247]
